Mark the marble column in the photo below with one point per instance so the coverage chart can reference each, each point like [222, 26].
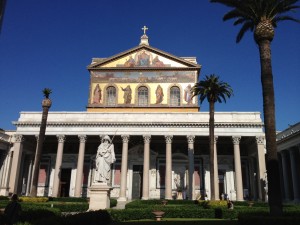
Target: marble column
[168, 179]
[147, 139]
[28, 188]
[191, 184]
[6, 174]
[124, 168]
[60, 148]
[216, 170]
[80, 163]
[295, 175]
[285, 171]
[16, 162]
[238, 168]
[253, 183]
[261, 166]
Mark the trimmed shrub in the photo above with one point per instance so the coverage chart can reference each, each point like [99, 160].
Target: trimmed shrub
[213, 204]
[171, 212]
[33, 199]
[35, 213]
[113, 202]
[90, 218]
[3, 198]
[68, 199]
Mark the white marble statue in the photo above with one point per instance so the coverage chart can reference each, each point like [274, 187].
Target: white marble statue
[104, 158]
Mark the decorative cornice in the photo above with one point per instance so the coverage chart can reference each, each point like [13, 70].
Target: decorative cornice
[140, 124]
[139, 48]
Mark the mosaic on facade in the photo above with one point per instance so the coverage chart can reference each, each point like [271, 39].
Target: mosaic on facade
[144, 77]
[144, 58]
[126, 93]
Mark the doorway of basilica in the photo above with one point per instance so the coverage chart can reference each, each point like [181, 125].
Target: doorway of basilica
[137, 181]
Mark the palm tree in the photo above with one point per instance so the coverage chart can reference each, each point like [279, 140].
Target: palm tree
[214, 90]
[262, 17]
[46, 104]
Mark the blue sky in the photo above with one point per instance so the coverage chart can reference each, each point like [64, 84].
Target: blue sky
[50, 43]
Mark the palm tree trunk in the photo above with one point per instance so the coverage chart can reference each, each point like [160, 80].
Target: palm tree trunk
[274, 192]
[211, 148]
[41, 137]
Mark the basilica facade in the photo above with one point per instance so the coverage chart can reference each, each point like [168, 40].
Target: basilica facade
[141, 98]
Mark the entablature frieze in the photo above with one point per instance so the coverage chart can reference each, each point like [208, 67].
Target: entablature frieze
[140, 124]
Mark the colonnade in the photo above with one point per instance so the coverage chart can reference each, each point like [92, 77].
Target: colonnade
[15, 166]
[290, 176]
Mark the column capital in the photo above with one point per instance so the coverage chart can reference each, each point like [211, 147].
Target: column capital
[236, 140]
[260, 140]
[147, 139]
[190, 139]
[61, 138]
[168, 139]
[82, 138]
[216, 139]
[125, 138]
[19, 138]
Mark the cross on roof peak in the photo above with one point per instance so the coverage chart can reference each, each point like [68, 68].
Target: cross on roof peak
[145, 29]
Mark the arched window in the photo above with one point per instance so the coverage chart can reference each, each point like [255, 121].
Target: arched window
[111, 96]
[143, 96]
[175, 96]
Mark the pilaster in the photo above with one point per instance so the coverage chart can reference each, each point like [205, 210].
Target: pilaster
[16, 162]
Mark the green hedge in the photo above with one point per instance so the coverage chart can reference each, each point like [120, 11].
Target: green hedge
[35, 213]
[68, 199]
[62, 206]
[3, 198]
[91, 218]
[157, 202]
[146, 213]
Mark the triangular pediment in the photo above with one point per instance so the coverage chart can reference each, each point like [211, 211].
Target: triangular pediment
[143, 56]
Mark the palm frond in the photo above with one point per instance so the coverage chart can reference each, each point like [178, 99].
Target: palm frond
[212, 89]
[282, 18]
[246, 27]
[249, 13]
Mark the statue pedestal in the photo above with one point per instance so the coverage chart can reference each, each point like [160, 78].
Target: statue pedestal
[99, 196]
